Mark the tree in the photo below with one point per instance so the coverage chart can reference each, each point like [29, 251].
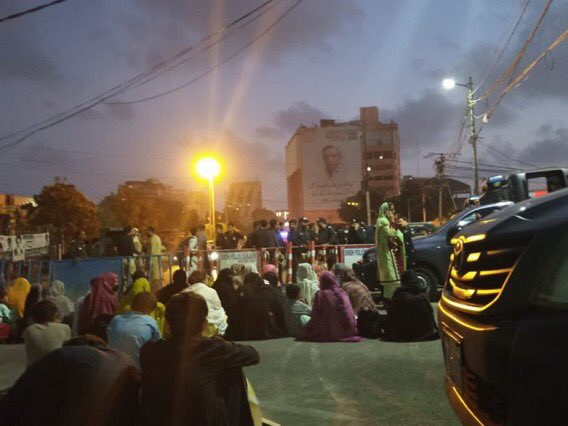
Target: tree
[63, 207]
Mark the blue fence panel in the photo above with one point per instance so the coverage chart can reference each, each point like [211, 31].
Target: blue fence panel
[77, 274]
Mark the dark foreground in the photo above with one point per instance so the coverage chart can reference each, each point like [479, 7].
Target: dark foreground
[300, 383]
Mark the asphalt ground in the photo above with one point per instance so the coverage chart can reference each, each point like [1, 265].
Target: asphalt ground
[303, 383]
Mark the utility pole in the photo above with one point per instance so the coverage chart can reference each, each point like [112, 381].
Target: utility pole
[440, 165]
[472, 134]
[367, 170]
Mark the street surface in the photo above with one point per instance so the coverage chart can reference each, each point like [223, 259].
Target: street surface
[301, 383]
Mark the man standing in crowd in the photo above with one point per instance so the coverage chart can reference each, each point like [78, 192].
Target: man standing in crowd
[219, 236]
[77, 249]
[156, 250]
[252, 239]
[275, 228]
[326, 234]
[356, 234]
[202, 246]
[233, 239]
[265, 237]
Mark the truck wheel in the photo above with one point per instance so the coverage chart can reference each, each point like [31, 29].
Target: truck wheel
[428, 282]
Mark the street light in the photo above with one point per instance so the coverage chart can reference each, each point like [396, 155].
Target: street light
[208, 168]
[448, 84]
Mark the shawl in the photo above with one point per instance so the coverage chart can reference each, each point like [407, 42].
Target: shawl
[101, 300]
[216, 315]
[359, 294]
[333, 319]
[56, 294]
[308, 282]
[16, 295]
[141, 285]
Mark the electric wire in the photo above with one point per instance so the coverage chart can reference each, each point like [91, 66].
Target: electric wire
[29, 11]
[214, 67]
[114, 91]
[496, 151]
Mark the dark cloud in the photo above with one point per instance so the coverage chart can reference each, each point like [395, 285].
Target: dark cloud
[268, 132]
[297, 114]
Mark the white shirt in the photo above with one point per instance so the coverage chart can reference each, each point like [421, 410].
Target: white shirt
[216, 314]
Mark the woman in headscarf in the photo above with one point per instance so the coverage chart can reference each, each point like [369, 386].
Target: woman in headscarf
[308, 282]
[139, 286]
[226, 290]
[364, 307]
[385, 237]
[33, 298]
[56, 294]
[16, 295]
[101, 300]
[258, 314]
[333, 319]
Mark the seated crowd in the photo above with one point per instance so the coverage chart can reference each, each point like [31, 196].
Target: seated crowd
[167, 357]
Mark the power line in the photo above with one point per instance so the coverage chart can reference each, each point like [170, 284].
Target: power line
[506, 156]
[486, 165]
[214, 67]
[513, 66]
[524, 74]
[504, 48]
[26, 133]
[29, 11]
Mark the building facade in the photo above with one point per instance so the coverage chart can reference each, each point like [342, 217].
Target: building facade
[329, 163]
[242, 199]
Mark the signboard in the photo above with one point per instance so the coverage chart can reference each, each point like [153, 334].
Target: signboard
[20, 247]
[353, 254]
[331, 167]
[230, 258]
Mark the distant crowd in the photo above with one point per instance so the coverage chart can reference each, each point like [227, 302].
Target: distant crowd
[166, 357]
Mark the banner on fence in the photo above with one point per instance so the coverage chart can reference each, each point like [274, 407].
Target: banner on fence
[230, 258]
[20, 247]
[353, 255]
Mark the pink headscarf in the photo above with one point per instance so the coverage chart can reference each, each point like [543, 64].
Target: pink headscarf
[333, 319]
[269, 267]
[101, 300]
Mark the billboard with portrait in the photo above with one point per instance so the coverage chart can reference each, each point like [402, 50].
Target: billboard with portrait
[331, 167]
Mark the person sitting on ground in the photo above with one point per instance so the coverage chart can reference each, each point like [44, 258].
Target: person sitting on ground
[179, 283]
[16, 295]
[33, 298]
[45, 335]
[225, 288]
[130, 331]
[67, 387]
[333, 319]
[272, 279]
[190, 379]
[56, 294]
[7, 316]
[410, 316]
[216, 316]
[258, 314]
[368, 318]
[101, 300]
[307, 280]
[296, 313]
[139, 286]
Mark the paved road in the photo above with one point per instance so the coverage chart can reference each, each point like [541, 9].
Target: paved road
[300, 383]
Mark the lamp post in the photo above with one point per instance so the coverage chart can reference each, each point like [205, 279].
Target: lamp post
[208, 168]
[448, 84]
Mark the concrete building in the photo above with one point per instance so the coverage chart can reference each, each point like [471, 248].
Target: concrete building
[329, 163]
[242, 199]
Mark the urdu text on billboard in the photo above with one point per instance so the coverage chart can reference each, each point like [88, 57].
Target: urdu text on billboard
[331, 167]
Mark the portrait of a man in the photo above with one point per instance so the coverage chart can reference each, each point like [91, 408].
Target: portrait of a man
[332, 160]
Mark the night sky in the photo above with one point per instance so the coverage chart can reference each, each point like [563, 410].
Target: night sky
[325, 59]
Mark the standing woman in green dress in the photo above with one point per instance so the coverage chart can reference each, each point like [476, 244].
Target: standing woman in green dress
[385, 236]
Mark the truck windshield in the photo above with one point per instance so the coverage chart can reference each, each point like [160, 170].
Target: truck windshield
[553, 289]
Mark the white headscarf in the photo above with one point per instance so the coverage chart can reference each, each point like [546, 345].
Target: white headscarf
[308, 281]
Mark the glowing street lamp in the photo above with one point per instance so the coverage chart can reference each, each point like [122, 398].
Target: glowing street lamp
[448, 83]
[209, 168]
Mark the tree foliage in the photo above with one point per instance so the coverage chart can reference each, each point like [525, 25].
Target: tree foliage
[64, 208]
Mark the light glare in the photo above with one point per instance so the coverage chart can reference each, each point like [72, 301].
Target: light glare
[208, 168]
[448, 83]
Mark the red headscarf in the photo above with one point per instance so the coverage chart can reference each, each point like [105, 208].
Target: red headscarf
[101, 300]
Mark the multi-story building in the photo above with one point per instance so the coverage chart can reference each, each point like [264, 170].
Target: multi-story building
[329, 163]
[242, 199]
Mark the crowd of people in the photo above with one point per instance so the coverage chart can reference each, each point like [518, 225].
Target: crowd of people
[167, 356]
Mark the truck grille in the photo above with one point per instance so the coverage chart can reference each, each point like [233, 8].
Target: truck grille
[479, 271]
[488, 401]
